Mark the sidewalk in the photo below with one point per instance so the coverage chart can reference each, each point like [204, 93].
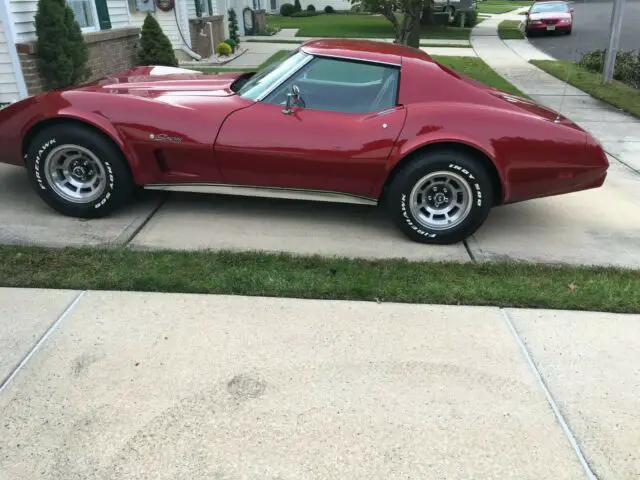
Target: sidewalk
[165, 386]
[618, 132]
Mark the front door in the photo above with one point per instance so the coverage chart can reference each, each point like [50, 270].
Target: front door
[339, 139]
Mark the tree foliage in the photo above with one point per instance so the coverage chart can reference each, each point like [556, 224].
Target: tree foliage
[233, 26]
[62, 52]
[155, 47]
[404, 15]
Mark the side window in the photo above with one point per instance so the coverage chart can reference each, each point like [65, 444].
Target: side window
[342, 85]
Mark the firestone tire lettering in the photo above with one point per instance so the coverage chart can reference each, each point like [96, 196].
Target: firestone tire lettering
[119, 183]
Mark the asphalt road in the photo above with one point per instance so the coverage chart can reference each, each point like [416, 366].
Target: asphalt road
[591, 30]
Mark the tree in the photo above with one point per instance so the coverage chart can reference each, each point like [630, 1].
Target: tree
[62, 52]
[155, 47]
[233, 26]
[404, 15]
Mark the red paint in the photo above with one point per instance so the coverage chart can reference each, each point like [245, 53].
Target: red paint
[558, 16]
[229, 139]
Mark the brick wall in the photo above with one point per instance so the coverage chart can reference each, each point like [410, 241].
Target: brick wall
[109, 51]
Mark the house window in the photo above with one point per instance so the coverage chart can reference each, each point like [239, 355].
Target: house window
[83, 11]
[91, 15]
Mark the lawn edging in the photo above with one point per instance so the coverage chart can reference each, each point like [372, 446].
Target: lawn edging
[502, 284]
[617, 94]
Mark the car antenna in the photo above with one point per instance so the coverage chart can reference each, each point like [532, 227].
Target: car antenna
[566, 84]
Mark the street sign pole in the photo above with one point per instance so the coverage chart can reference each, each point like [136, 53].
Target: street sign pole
[614, 41]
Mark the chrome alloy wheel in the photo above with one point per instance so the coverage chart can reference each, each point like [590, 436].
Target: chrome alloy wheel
[441, 200]
[75, 174]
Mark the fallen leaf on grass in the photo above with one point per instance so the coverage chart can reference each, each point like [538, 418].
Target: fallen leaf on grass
[573, 287]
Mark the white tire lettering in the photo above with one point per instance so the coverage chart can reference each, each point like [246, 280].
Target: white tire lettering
[36, 165]
[403, 205]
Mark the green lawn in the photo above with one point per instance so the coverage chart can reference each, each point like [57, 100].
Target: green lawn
[510, 30]
[500, 284]
[275, 57]
[353, 26]
[299, 42]
[500, 6]
[617, 94]
[478, 70]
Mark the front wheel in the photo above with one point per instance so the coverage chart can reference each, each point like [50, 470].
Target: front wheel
[78, 171]
[440, 197]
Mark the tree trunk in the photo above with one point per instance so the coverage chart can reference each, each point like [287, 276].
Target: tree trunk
[427, 13]
[408, 31]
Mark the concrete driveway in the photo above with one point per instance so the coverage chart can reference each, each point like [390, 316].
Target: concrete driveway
[137, 386]
[26, 220]
[600, 227]
[591, 30]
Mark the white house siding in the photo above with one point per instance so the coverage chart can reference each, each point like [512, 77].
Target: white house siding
[167, 21]
[8, 82]
[23, 13]
[118, 13]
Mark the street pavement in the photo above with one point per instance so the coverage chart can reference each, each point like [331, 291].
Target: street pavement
[109, 385]
[591, 30]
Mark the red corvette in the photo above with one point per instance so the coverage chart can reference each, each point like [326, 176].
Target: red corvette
[336, 120]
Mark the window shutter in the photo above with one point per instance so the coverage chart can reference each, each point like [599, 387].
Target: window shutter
[103, 14]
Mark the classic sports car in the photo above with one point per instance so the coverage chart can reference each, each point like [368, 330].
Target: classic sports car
[336, 120]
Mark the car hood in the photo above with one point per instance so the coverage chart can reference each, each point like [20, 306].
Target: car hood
[153, 82]
[550, 16]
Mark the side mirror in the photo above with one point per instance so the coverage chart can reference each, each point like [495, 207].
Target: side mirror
[571, 10]
[293, 99]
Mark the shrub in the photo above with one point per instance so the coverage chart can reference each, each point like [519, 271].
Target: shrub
[62, 52]
[155, 47]
[305, 13]
[231, 42]
[233, 26]
[297, 6]
[470, 19]
[287, 9]
[627, 69]
[223, 49]
[329, 9]
[311, 8]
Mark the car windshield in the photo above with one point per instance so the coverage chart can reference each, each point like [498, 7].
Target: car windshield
[265, 78]
[549, 7]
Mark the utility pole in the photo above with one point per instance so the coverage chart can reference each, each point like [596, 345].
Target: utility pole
[614, 41]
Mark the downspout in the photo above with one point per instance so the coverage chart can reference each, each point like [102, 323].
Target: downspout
[185, 48]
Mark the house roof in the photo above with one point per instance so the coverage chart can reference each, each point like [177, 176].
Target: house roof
[369, 50]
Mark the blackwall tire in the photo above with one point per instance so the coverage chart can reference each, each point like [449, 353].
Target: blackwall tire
[78, 171]
[440, 197]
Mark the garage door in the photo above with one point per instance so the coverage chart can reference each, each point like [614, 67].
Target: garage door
[8, 84]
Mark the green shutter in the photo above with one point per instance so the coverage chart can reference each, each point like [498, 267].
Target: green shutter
[103, 14]
[210, 7]
[198, 8]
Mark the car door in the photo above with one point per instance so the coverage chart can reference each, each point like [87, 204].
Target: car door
[338, 139]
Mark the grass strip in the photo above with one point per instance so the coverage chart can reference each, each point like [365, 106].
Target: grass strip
[358, 26]
[283, 275]
[510, 30]
[477, 69]
[618, 94]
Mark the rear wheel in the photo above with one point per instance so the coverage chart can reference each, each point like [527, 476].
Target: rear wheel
[78, 171]
[440, 197]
